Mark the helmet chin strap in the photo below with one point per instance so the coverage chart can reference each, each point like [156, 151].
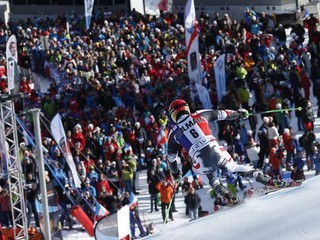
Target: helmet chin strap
[181, 113]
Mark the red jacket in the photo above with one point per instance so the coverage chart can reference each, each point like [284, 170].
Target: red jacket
[287, 142]
[275, 158]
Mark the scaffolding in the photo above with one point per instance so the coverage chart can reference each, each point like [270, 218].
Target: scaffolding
[11, 164]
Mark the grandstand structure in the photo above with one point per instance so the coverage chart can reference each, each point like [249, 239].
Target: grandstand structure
[11, 165]
[20, 8]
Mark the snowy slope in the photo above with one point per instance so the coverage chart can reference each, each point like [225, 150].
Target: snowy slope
[291, 213]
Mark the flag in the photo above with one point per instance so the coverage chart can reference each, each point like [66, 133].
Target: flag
[59, 136]
[165, 5]
[194, 63]
[220, 75]
[115, 226]
[188, 175]
[189, 21]
[162, 136]
[13, 71]
[67, 23]
[88, 6]
[138, 6]
[100, 211]
[153, 7]
[192, 47]
[133, 201]
[204, 96]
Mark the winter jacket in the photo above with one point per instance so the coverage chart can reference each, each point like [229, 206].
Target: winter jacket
[192, 200]
[166, 192]
[275, 158]
[287, 142]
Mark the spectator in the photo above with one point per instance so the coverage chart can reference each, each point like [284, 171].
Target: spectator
[166, 194]
[152, 181]
[307, 142]
[192, 200]
[275, 157]
[127, 175]
[6, 216]
[130, 200]
[252, 150]
[298, 164]
[288, 145]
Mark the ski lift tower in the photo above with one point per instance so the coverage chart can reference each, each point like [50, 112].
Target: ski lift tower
[11, 165]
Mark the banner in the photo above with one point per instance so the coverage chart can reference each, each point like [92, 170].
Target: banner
[204, 96]
[194, 63]
[220, 75]
[115, 226]
[13, 71]
[59, 136]
[53, 208]
[189, 21]
[88, 6]
[192, 44]
[4, 151]
[153, 7]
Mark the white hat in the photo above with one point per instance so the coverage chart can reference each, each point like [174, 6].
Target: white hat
[266, 120]
[97, 129]
[278, 106]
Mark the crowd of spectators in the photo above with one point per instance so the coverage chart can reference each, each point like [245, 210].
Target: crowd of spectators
[112, 85]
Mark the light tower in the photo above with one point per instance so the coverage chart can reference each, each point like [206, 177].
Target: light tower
[12, 164]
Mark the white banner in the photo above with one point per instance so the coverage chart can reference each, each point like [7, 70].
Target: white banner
[88, 6]
[138, 6]
[192, 44]
[220, 75]
[13, 71]
[59, 136]
[189, 21]
[153, 7]
[204, 96]
[194, 63]
[124, 218]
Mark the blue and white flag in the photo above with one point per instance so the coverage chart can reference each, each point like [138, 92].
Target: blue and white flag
[88, 6]
[220, 75]
[204, 96]
[100, 211]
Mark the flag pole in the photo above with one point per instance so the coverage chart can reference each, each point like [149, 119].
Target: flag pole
[42, 176]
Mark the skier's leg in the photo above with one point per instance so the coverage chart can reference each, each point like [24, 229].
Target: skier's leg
[220, 189]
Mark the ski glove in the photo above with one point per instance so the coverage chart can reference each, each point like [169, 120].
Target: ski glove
[244, 114]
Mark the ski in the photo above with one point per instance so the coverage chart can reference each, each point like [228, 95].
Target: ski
[221, 204]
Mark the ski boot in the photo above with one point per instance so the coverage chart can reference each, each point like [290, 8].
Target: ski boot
[251, 174]
[278, 183]
[222, 191]
[267, 180]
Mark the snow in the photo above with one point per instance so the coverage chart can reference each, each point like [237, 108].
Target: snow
[290, 213]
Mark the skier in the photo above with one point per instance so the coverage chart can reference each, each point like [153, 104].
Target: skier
[192, 132]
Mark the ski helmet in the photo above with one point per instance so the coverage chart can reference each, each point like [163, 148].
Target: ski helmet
[178, 106]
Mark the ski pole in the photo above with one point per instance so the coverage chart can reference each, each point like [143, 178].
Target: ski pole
[278, 110]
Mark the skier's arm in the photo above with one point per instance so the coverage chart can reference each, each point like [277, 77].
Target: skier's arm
[173, 148]
[226, 114]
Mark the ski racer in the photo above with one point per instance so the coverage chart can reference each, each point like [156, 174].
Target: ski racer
[192, 132]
